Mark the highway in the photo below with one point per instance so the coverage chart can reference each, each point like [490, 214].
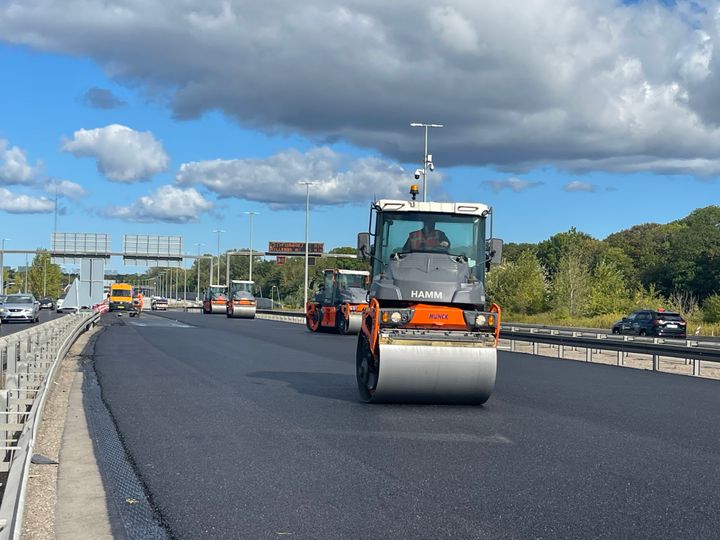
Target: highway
[45, 315]
[253, 429]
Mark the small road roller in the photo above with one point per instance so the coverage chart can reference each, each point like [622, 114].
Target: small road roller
[428, 334]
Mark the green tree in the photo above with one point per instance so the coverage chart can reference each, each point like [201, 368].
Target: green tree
[571, 284]
[44, 277]
[608, 291]
[550, 252]
[518, 287]
[512, 251]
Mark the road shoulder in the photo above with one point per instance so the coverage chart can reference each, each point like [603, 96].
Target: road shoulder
[67, 500]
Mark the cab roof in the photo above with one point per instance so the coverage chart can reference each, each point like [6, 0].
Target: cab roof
[354, 272]
[390, 205]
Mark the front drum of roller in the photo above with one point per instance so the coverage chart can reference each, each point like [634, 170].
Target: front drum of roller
[218, 308]
[430, 374]
[243, 312]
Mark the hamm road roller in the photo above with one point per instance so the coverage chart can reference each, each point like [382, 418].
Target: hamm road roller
[428, 334]
[241, 302]
[215, 299]
[340, 303]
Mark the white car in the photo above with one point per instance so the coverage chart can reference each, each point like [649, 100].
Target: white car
[59, 304]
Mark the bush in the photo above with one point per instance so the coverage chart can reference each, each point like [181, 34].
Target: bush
[518, 287]
[711, 309]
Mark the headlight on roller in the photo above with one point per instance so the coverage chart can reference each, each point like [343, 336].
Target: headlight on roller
[397, 317]
[481, 319]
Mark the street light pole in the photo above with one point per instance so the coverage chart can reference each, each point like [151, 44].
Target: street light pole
[2, 265]
[219, 232]
[427, 159]
[197, 293]
[307, 223]
[251, 214]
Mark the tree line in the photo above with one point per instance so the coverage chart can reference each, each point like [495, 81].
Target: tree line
[573, 275]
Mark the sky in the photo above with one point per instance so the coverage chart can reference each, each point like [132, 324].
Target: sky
[176, 118]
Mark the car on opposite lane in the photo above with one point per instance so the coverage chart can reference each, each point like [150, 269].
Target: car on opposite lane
[648, 322]
[158, 303]
[20, 307]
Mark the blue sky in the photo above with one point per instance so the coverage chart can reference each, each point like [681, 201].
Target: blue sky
[553, 127]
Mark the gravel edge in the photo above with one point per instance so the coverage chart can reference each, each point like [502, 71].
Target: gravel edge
[41, 497]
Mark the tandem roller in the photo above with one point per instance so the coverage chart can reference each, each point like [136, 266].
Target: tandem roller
[241, 303]
[339, 304]
[428, 334]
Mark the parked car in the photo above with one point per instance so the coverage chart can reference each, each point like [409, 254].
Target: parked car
[158, 302]
[47, 303]
[20, 307]
[652, 323]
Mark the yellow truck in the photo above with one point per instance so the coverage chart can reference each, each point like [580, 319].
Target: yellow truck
[121, 297]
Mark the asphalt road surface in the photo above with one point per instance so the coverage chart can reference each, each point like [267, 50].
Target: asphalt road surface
[12, 327]
[253, 429]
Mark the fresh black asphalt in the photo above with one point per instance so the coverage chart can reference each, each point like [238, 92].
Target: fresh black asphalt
[253, 429]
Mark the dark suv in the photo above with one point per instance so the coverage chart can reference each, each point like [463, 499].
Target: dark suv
[651, 323]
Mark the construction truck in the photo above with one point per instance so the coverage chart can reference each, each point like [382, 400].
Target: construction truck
[241, 303]
[340, 303]
[215, 299]
[428, 334]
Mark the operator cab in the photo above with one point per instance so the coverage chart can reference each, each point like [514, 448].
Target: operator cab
[240, 289]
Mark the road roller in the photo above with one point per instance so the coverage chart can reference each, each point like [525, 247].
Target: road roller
[241, 302]
[215, 299]
[428, 334]
[340, 303]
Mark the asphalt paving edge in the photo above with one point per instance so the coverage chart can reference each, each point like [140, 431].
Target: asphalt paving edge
[126, 491]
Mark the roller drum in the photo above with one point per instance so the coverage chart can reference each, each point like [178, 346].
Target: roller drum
[218, 308]
[243, 312]
[354, 324]
[431, 373]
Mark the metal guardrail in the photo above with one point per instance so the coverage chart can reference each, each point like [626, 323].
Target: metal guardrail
[689, 349]
[28, 360]
[593, 331]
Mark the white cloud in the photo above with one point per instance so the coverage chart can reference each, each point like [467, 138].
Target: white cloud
[168, 204]
[578, 186]
[515, 184]
[579, 85]
[14, 166]
[15, 203]
[65, 188]
[122, 154]
[337, 179]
